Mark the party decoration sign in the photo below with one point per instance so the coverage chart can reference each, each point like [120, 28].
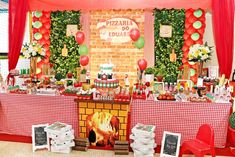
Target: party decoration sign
[71, 30]
[65, 51]
[170, 144]
[165, 31]
[40, 138]
[116, 30]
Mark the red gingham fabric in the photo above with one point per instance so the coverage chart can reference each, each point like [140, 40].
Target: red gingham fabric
[184, 118]
[19, 112]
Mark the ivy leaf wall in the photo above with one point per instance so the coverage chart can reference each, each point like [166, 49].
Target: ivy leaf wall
[59, 22]
[163, 46]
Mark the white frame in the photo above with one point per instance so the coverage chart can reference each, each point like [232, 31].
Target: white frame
[159, 83]
[163, 141]
[213, 71]
[47, 146]
[165, 31]
[71, 30]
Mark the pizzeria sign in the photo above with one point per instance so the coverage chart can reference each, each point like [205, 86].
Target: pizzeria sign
[116, 30]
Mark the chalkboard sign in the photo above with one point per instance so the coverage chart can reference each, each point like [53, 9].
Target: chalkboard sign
[39, 137]
[170, 144]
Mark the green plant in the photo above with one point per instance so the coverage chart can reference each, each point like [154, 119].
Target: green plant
[163, 46]
[160, 71]
[232, 120]
[58, 76]
[150, 70]
[59, 22]
[83, 71]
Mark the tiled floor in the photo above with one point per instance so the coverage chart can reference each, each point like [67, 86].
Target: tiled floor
[13, 149]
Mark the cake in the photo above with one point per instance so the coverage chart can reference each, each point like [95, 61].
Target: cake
[105, 78]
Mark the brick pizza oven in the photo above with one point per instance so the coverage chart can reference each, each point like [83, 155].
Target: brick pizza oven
[103, 122]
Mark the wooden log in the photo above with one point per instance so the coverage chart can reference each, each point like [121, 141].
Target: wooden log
[80, 148]
[121, 147]
[80, 143]
[121, 143]
[121, 152]
[81, 140]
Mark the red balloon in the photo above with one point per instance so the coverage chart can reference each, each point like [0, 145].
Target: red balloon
[47, 25]
[185, 55]
[202, 19]
[84, 60]
[42, 30]
[46, 47]
[189, 42]
[35, 30]
[39, 75]
[35, 18]
[190, 10]
[190, 30]
[199, 41]
[193, 78]
[186, 35]
[201, 30]
[187, 24]
[142, 63]
[44, 19]
[42, 41]
[48, 42]
[46, 36]
[80, 37]
[184, 61]
[134, 34]
[185, 48]
[47, 14]
[192, 19]
[188, 13]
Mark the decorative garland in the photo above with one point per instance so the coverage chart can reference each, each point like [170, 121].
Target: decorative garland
[41, 33]
[194, 30]
[59, 22]
[164, 46]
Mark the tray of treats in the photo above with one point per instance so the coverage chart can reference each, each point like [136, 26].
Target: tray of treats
[199, 99]
[166, 97]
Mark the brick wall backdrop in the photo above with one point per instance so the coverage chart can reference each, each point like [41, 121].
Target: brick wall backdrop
[125, 55]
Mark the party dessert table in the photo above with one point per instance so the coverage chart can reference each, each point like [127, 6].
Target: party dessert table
[182, 117]
[18, 112]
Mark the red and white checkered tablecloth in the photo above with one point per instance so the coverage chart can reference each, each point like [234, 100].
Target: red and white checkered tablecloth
[19, 112]
[184, 118]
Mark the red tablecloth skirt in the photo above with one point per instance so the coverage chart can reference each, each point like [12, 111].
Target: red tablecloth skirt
[19, 112]
[184, 118]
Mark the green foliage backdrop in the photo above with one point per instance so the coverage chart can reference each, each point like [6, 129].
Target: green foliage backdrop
[59, 22]
[163, 46]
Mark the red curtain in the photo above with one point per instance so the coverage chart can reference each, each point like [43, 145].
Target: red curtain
[223, 28]
[17, 19]
[53, 5]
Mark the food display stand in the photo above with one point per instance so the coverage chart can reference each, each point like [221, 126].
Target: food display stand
[94, 64]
